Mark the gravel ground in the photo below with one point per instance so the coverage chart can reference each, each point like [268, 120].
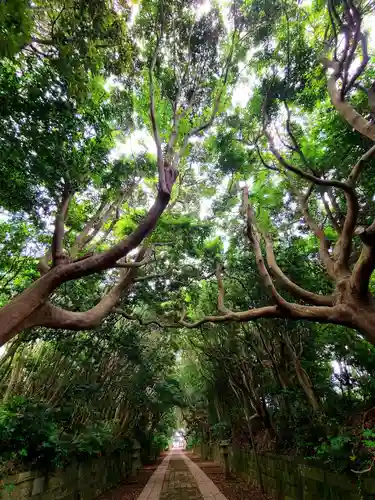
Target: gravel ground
[131, 491]
[233, 489]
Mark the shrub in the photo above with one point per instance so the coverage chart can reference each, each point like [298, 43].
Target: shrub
[29, 434]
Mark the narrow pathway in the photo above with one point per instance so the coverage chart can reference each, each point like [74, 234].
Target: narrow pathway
[178, 478]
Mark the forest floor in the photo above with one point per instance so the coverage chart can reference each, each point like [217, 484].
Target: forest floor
[184, 476]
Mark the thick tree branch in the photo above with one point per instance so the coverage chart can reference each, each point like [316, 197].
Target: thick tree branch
[336, 315]
[262, 269]
[51, 316]
[363, 270]
[317, 230]
[362, 66]
[293, 288]
[155, 127]
[358, 167]
[365, 264]
[25, 304]
[107, 259]
[221, 291]
[346, 110]
[57, 249]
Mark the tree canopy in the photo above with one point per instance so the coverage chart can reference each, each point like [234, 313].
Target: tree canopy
[179, 178]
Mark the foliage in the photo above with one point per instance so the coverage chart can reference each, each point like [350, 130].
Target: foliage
[74, 398]
[29, 433]
[230, 96]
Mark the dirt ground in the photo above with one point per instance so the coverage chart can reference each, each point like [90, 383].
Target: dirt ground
[132, 490]
[233, 489]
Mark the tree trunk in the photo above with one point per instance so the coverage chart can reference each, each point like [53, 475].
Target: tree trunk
[14, 378]
[253, 444]
[306, 385]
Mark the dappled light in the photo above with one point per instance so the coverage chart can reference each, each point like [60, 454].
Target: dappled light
[187, 249]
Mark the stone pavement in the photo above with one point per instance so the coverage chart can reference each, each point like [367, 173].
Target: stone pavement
[178, 478]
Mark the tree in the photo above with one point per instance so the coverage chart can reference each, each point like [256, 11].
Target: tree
[331, 208]
[61, 49]
[69, 397]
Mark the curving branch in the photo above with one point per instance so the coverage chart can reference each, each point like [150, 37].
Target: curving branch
[133, 317]
[344, 244]
[346, 110]
[358, 167]
[317, 230]
[336, 315]
[51, 316]
[27, 303]
[293, 288]
[345, 241]
[262, 269]
[305, 175]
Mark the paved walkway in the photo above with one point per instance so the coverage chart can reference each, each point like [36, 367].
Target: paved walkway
[178, 478]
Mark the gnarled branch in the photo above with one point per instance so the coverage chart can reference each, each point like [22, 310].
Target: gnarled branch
[52, 316]
[262, 269]
[293, 288]
[336, 315]
[346, 110]
[23, 306]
